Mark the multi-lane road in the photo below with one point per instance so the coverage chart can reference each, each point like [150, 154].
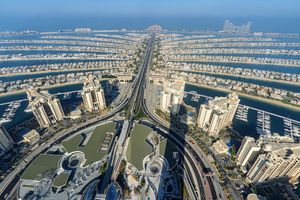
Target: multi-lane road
[203, 187]
[11, 180]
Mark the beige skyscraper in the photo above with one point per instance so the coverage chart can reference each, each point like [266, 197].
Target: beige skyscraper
[247, 153]
[6, 142]
[278, 160]
[93, 94]
[172, 96]
[268, 158]
[217, 114]
[45, 107]
[166, 101]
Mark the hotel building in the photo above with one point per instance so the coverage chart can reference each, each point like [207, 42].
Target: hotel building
[45, 107]
[247, 153]
[269, 158]
[172, 96]
[93, 94]
[217, 114]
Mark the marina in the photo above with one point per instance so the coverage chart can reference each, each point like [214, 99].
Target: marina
[291, 128]
[10, 112]
[242, 113]
[263, 123]
[80, 122]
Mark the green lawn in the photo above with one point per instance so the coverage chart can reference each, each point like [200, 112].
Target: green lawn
[92, 148]
[41, 166]
[72, 144]
[61, 179]
[138, 148]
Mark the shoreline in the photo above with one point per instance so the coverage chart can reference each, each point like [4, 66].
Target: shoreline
[281, 54]
[257, 98]
[234, 62]
[68, 50]
[47, 87]
[54, 71]
[44, 87]
[238, 76]
[61, 58]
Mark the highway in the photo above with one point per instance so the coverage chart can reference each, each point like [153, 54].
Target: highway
[203, 187]
[13, 178]
[10, 181]
[138, 103]
[210, 186]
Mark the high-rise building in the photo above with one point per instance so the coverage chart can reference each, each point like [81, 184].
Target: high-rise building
[278, 160]
[165, 102]
[228, 27]
[231, 28]
[269, 158]
[247, 153]
[93, 94]
[155, 28]
[6, 141]
[172, 96]
[45, 107]
[217, 114]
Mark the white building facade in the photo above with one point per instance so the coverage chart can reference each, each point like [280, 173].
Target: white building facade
[217, 114]
[45, 107]
[172, 96]
[93, 94]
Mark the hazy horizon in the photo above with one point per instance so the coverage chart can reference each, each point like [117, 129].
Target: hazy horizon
[50, 15]
[153, 8]
[53, 23]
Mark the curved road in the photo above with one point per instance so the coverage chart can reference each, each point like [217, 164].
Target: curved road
[135, 99]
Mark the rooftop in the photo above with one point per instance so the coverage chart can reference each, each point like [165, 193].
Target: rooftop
[44, 164]
[138, 148]
[61, 180]
[92, 148]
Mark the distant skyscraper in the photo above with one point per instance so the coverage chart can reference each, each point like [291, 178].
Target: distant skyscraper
[82, 30]
[6, 142]
[217, 114]
[93, 94]
[230, 28]
[45, 107]
[155, 28]
[172, 96]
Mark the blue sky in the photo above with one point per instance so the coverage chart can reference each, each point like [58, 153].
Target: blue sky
[153, 8]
